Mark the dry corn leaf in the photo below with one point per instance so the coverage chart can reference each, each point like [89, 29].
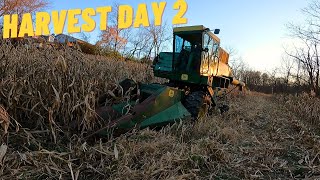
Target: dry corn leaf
[4, 119]
[116, 152]
[3, 151]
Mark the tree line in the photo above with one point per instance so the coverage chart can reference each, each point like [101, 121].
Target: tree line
[300, 69]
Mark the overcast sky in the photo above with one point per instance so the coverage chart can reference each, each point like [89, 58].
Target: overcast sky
[256, 28]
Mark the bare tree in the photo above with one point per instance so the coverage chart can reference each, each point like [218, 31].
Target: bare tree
[159, 36]
[21, 6]
[114, 37]
[237, 63]
[265, 79]
[306, 54]
[287, 66]
[139, 43]
[309, 58]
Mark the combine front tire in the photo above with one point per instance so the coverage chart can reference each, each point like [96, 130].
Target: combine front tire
[197, 103]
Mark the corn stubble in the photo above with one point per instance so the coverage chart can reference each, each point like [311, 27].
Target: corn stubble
[48, 97]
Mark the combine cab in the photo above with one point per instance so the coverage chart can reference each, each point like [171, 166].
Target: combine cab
[198, 77]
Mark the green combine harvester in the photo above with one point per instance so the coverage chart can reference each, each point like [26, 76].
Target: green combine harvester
[198, 77]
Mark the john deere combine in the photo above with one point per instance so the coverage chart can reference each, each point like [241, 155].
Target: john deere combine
[198, 76]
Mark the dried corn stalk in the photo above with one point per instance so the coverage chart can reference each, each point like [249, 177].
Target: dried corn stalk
[4, 119]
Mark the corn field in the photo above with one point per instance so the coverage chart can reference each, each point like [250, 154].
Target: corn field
[47, 102]
[56, 90]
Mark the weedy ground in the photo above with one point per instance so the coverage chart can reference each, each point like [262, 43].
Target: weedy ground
[46, 92]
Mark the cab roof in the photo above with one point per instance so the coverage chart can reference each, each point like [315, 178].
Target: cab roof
[195, 28]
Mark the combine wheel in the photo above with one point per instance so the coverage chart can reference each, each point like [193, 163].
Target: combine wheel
[197, 103]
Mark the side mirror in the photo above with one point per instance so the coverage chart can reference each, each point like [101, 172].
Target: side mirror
[216, 31]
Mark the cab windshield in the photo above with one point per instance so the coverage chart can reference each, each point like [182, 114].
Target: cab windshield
[188, 49]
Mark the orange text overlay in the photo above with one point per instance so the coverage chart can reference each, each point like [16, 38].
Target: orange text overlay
[13, 26]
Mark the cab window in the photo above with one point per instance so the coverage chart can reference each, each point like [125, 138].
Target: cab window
[209, 44]
[209, 56]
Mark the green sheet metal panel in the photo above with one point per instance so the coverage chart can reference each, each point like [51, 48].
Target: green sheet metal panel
[166, 106]
[167, 98]
[187, 77]
[172, 114]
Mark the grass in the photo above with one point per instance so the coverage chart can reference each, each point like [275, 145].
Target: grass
[51, 95]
